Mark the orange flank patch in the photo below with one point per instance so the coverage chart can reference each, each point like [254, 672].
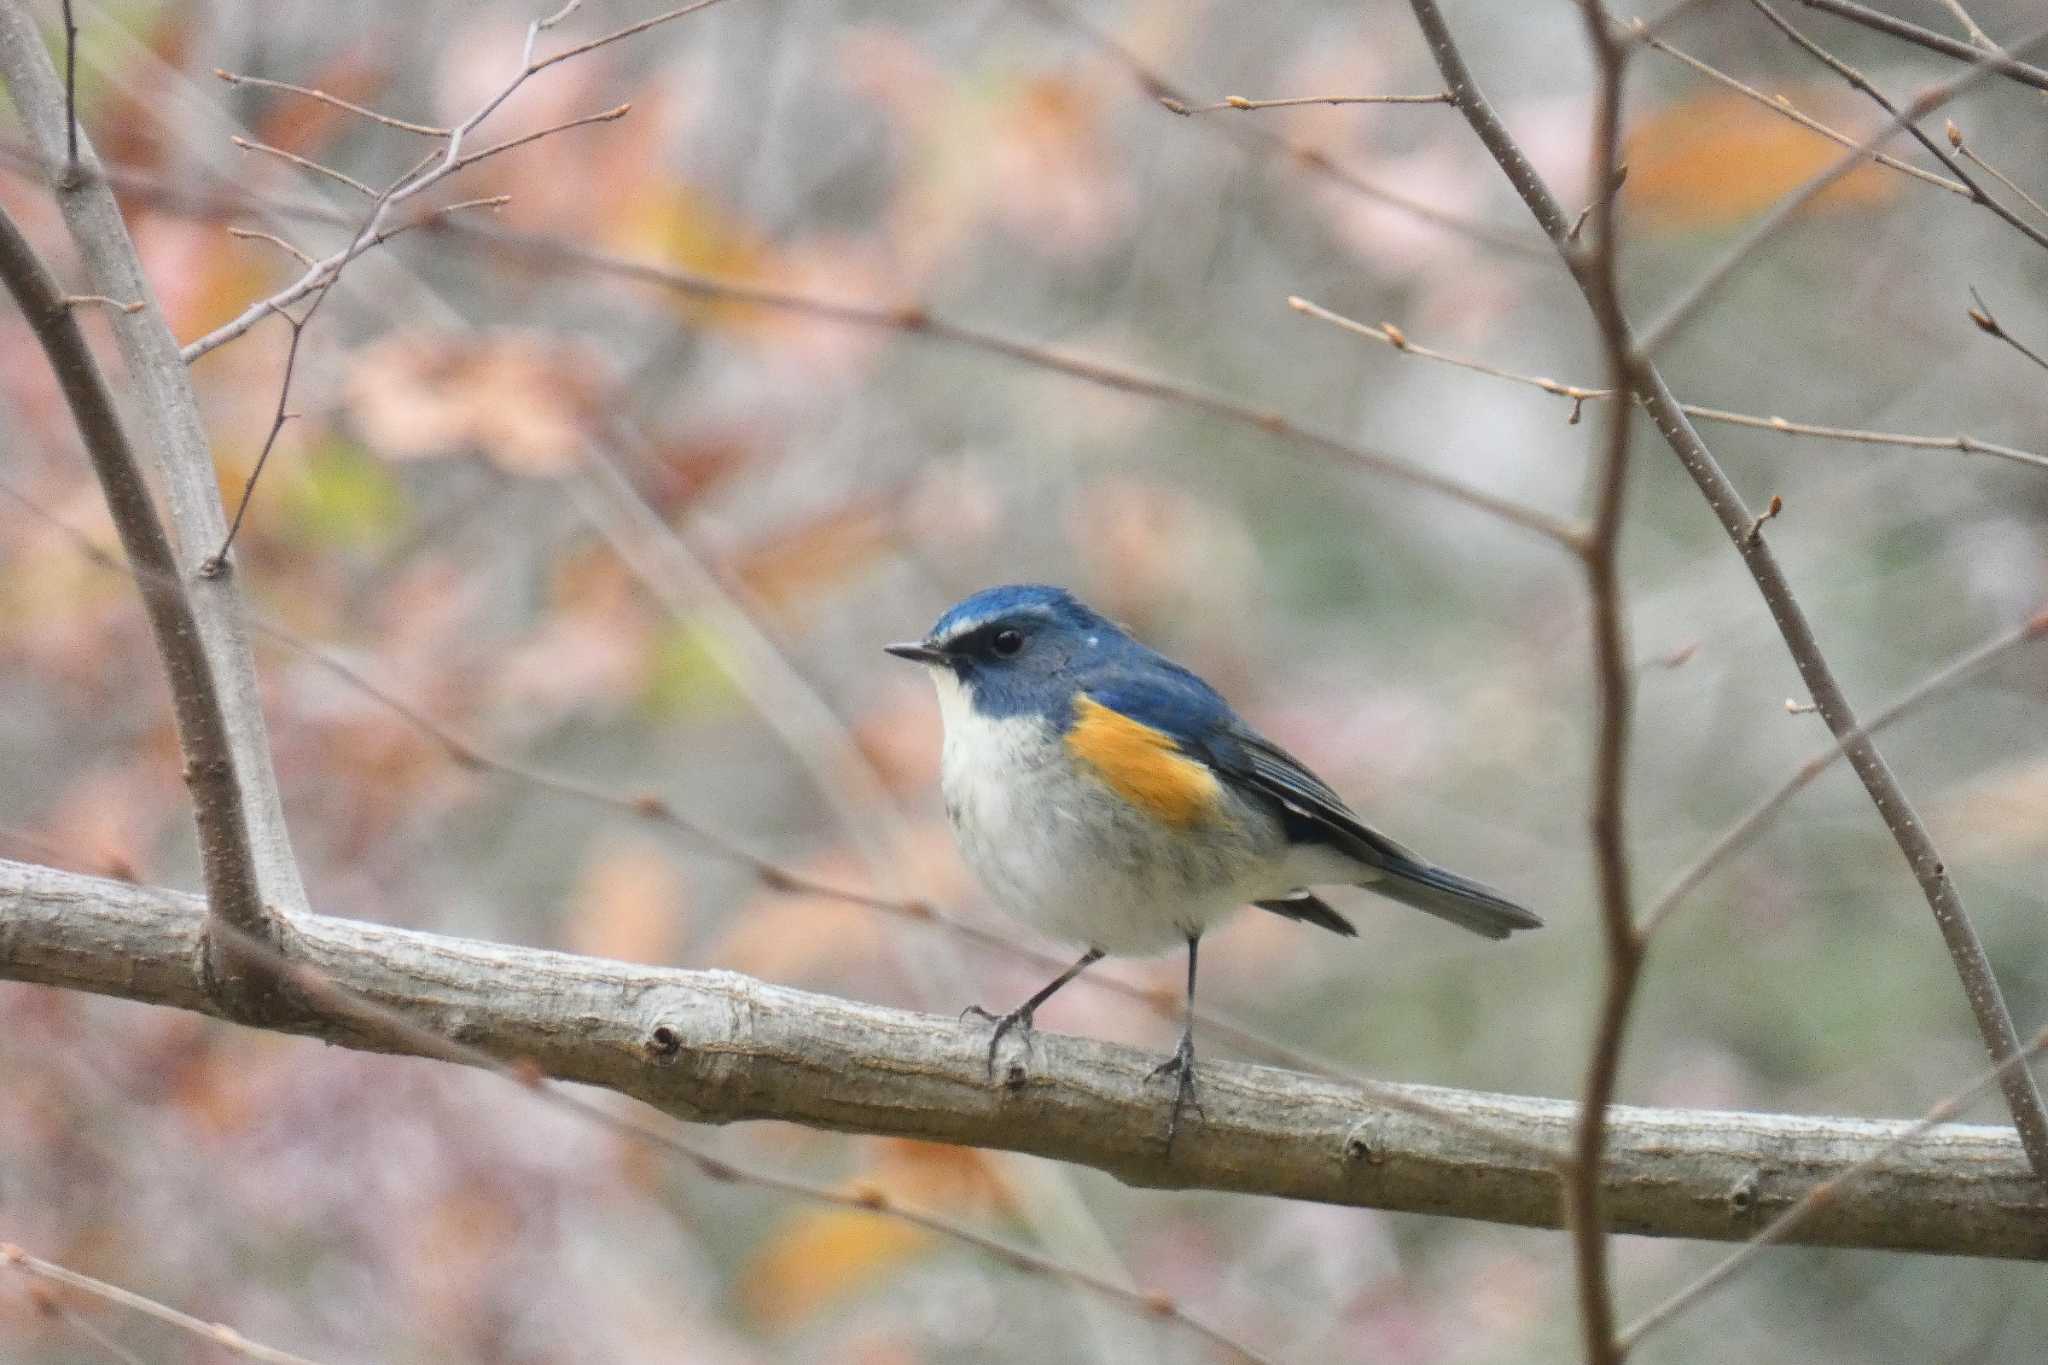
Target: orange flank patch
[1143, 765]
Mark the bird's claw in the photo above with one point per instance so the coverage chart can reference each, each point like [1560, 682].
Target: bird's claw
[1017, 1019]
[1182, 1065]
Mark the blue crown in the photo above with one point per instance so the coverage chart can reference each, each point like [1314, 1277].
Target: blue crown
[1039, 599]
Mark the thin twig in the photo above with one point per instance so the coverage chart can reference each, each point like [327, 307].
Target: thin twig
[304, 164]
[1861, 83]
[1297, 101]
[1744, 831]
[2002, 63]
[1686, 305]
[1977, 35]
[1820, 1194]
[1959, 936]
[499, 149]
[84, 1326]
[1273, 146]
[252, 235]
[1615, 181]
[1969, 154]
[102, 301]
[1580, 395]
[218, 1334]
[325, 274]
[1988, 323]
[218, 563]
[913, 320]
[1614, 691]
[428, 174]
[70, 95]
[1778, 104]
[335, 101]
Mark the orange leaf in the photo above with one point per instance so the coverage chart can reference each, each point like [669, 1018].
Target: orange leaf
[1717, 158]
[819, 1256]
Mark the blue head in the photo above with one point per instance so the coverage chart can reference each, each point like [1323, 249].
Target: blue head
[1025, 649]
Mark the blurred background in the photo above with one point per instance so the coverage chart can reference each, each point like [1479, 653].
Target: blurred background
[453, 513]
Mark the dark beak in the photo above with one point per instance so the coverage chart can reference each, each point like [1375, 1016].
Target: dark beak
[917, 652]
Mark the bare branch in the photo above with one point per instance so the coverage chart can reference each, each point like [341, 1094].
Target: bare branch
[1778, 104]
[497, 149]
[716, 1047]
[169, 430]
[1614, 692]
[1175, 98]
[1969, 154]
[334, 101]
[2002, 63]
[228, 864]
[70, 94]
[1977, 35]
[1297, 101]
[1959, 936]
[102, 301]
[913, 320]
[1859, 82]
[304, 164]
[1781, 1228]
[1745, 830]
[1580, 395]
[1988, 323]
[252, 235]
[214, 1333]
[1679, 311]
[428, 173]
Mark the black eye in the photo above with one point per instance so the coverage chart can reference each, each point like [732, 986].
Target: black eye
[1007, 644]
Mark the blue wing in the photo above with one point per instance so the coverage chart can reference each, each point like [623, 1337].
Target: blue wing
[1177, 703]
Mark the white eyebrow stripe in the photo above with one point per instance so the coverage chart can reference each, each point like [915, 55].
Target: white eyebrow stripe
[974, 623]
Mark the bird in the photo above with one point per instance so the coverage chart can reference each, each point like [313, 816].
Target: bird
[1109, 797]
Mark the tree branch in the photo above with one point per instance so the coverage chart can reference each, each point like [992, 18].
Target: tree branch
[1614, 689]
[169, 429]
[717, 1047]
[1881, 22]
[211, 771]
[1980, 986]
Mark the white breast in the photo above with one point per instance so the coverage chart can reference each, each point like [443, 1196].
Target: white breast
[1055, 847]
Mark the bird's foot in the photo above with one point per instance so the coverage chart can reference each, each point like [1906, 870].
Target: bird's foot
[1182, 1065]
[1019, 1019]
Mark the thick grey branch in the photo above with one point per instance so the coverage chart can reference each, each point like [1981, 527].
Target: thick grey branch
[716, 1047]
[169, 430]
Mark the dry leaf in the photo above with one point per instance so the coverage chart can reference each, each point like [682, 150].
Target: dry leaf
[1717, 159]
[820, 1256]
[522, 399]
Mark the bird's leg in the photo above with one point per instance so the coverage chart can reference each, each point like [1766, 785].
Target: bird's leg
[1020, 1017]
[1182, 1062]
